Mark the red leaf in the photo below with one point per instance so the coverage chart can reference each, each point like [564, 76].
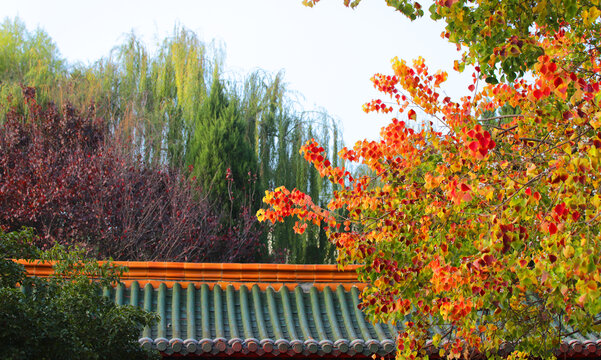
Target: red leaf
[575, 215]
[558, 81]
[552, 229]
[474, 145]
[489, 259]
[560, 209]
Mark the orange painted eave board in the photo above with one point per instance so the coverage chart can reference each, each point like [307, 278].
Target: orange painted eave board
[266, 274]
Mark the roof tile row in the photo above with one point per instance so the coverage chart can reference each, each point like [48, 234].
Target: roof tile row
[226, 320]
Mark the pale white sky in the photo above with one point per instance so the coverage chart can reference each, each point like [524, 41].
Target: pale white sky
[328, 53]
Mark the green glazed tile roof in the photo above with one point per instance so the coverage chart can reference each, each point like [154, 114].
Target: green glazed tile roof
[300, 321]
[197, 320]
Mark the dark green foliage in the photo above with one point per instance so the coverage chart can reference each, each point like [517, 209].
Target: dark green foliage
[15, 245]
[64, 316]
[220, 153]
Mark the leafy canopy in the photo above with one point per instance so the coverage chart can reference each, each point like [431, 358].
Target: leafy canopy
[484, 222]
[64, 316]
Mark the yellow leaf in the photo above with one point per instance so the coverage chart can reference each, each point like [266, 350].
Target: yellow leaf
[596, 120]
[593, 14]
[436, 340]
[261, 215]
[585, 17]
[568, 251]
[564, 289]
[540, 6]
[596, 201]
[531, 171]
[577, 96]
[489, 194]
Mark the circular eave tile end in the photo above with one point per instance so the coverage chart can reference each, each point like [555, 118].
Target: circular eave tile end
[221, 346]
[206, 345]
[297, 346]
[191, 345]
[146, 343]
[327, 346]
[341, 345]
[267, 345]
[373, 345]
[236, 345]
[162, 344]
[282, 345]
[252, 345]
[388, 346]
[311, 345]
[591, 347]
[357, 345]
[176, 344]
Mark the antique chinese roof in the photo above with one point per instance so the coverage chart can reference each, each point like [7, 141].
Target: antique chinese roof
[267, 310]
[250, 309]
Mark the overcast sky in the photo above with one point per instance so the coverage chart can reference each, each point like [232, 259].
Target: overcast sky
[328, 53]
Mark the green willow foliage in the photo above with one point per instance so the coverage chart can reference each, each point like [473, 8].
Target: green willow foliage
[175, 108]
[27, 57]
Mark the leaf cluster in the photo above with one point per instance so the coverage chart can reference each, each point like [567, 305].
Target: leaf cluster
[64, 316]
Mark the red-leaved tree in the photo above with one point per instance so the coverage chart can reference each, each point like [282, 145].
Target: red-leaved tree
[63, 175]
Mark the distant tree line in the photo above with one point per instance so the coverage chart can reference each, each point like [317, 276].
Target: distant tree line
[153, 156]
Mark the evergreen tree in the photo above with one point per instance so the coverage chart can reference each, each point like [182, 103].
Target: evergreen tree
[220, 152]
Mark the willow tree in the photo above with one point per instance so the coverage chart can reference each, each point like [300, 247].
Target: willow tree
[27, 57]
[181, 71]
[150, 101]
[282, 127]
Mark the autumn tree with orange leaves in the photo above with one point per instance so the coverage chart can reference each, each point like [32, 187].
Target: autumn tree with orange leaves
[485, 226]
